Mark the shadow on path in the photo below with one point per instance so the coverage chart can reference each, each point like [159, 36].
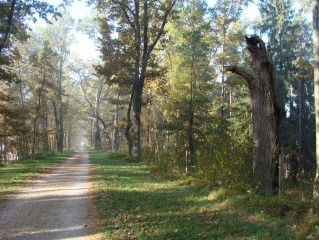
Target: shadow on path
[57, 206]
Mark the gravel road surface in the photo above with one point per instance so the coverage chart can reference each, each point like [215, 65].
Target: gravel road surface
[56, 206]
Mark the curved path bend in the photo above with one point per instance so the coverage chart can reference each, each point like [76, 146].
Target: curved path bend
[57, 206]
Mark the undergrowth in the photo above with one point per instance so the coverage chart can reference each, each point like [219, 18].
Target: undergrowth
[133, 203]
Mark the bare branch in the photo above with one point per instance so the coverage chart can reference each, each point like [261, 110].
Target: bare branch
[161, 31]
[85, 94]
[125, 6]
[105, 126]
[245, 73]
[126, 9]
[128, 18]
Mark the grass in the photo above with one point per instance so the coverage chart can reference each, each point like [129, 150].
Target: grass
[134, 204]
[15, 175]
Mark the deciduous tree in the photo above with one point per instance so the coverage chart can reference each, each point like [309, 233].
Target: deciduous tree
[147, 20]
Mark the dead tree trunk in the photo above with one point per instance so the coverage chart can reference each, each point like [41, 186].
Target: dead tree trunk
[266, 114]
[315, 12]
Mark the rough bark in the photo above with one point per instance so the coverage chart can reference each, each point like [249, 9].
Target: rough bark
[316, 90]
[128, 126]
[266, 114]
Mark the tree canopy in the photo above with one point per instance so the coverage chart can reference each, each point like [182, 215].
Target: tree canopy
[162, 88]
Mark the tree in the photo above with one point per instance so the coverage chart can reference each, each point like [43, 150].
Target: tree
[42, 69]
[224, 16]
[59, 37]
[289, 36]
[189, 74]
[93, 93]
[14, 17]
[316, 87]
[117, 69]
[147, 20]
[266, 113]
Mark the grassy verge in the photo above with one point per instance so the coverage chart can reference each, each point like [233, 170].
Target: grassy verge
[133, 204]
[18, 173]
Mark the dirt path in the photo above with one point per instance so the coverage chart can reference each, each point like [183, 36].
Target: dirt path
[57, 206]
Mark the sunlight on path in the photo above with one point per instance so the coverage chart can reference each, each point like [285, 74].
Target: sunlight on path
[58, 206]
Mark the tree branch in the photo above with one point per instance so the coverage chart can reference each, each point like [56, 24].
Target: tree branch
[161, 31]
[85, 95]
[105, 126]
[245, 73]
[9, 26]
[128, 18]
[124, 6]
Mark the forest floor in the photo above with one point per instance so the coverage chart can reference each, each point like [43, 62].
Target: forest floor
[58, 205]
[133, 203]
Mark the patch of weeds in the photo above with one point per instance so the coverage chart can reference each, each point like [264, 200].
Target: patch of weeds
[133, 204]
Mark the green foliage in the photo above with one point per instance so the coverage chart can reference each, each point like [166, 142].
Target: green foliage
[192, 104]
[133, 204]
[227, 160]
[290, 39]
[14, 18]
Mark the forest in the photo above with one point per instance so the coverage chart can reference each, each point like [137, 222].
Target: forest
[188, 87]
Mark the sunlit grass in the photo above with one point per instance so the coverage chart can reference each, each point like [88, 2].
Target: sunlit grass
[16, 174]
[133, 204]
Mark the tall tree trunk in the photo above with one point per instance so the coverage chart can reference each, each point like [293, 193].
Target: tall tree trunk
[191, 147]
[299, 131]
[56, 120]
[266, 114]
[46, 127]
[316, 91]
[5, 145]
[91, 131]
[300, 107]
[24, 151]
[97, 136]
[137, 110]
[69, 140]
[129, 125]
[61, 129]
[223, 73]
[36, 120]
[115, 146]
